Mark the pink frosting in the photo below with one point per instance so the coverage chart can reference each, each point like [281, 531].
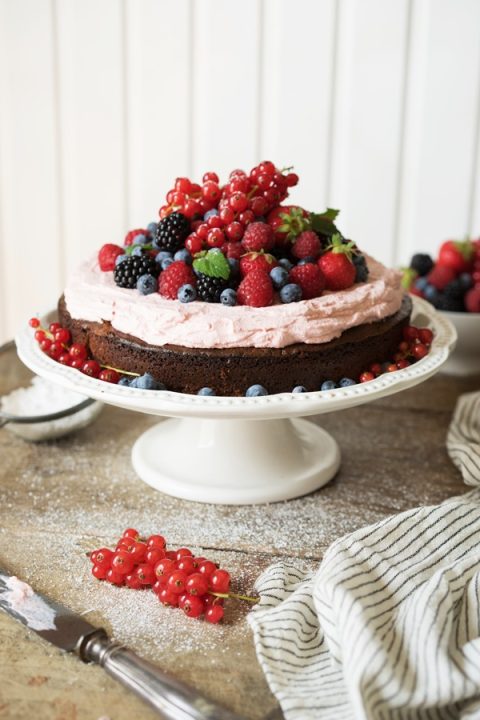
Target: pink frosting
[92, 295]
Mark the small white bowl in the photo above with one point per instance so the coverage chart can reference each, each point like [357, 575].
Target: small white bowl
[465, 359]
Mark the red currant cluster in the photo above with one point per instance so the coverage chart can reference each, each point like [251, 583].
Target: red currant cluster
[56, 343]
[242, 200]
[196, 585]
[414, 346]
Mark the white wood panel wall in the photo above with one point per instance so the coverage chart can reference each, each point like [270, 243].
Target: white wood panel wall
[103, 104]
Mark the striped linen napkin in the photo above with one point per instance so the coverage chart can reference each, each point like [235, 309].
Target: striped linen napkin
[389, 625]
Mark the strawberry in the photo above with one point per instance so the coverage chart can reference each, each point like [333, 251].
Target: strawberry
[130, 236]
[337, 266]
[472, 300]
[288, 221]
[307, 244]
[456, 255]
[107, 255]
[440, 276]
[256, 261]
[310, 278]
[256, 289]
[172, 279]
[258, 236]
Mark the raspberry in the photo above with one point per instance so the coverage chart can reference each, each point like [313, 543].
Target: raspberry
[310, 278]
[472, 300]
[307, 244]
[172, 279]
[255, 290]
[440, 276]
[107, 255]
[258, 236]
[257, 261]
[130, 236]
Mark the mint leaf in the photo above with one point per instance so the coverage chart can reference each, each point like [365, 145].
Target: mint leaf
[213, 264]
[324, 222]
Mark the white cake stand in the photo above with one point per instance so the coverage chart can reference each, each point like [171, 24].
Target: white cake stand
[239, 451]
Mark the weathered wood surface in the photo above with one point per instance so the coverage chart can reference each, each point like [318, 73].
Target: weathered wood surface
[59, 499]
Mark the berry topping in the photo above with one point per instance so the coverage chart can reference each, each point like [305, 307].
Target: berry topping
[337, 266]
[178, 273]
[258, 236]
[187, 293]
[291, 293]
[440, 276]
[255, 290]
[213, 273]
[172, 232]
[127, 273]
[130, 236]
[421, 263]
[307, 244]
[456, 255]
[256, 261]
[310, 278]
[107, 255]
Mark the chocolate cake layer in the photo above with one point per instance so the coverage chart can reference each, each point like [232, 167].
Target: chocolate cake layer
[231, 371]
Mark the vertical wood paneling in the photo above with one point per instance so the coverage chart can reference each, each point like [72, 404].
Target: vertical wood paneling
[30, 273]
[474, 224]
[225, 85]
[92, 116]
[296, 92]
[367, 123]
[158, 83]
[441, 124]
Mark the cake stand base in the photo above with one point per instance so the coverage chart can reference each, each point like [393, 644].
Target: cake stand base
[235, 462]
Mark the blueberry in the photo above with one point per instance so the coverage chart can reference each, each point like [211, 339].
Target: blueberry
[166, 262]
[432, 295]
[279, 277]
[299, 389]
[358, 260]
[140, 239]
[147, 284]
[328, 385]
[210, 213]
[346, 382]
[285, 263]
[421, 283]
[152, 228]
[163, 255]
[361, 273]
[306, 260]
[120, 258]
[234, 266]
[206, 391]
[147, 382]
[465, 280]
[184, 255]
[290, 293]
[137, 251]
[125, 381]
[256, 391]
[228, 297]
[187, 293]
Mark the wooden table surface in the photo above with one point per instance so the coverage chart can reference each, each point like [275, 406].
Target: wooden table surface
[62, 498]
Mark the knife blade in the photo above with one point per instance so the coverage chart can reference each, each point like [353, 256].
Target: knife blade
[72, 633]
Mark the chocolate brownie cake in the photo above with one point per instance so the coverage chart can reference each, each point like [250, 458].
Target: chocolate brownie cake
[235, 293]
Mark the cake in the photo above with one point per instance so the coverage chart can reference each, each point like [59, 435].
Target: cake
[232, 289]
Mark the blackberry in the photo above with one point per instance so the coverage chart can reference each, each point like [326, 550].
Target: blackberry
[128, 271]
[450, 304]
[172, 232]
[421, 263]
[454, 289]
[209, 288]
[361, 269]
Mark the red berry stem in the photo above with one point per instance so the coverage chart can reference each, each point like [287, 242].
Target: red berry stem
[247, 598]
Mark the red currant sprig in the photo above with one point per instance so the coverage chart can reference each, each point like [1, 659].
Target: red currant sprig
[414, 346]
[196, 585]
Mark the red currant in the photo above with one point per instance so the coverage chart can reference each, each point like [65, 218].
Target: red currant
[191, 208]
[103, 557]
[122, 562]
[53, 327]
[402, 364]
[40, 335]
[214, 614]
[246, 217]
[131, 533]
[426, 336]
[158, 586]
[62, 335]
[210, 176]
[109, 375]
[259, 206]
[91, 368]
[391, 367]
[99, 572]
[55, 350]
[176, 582]
[145, 574]
[234, 231]
[410, 333]
[78, 351]
[114, 577]
[154, 555]
[211, 191]
[183, 552]
[292, 179]
[207, 568]
[197, 584]
[239, 183]
[220, 581]
[45, 345]
[34, 322]
[238, 201]
[168, 598]
[419, 350]
[187, 564]
[226, 215]
[164, 567]
[156, 541]
[366, 377]
[376, 369]
[193, 606]
[214, 222]
[183, 185]
[132, 581]
[65, 359]
[194, 244]
[215, 238]
[266, 167]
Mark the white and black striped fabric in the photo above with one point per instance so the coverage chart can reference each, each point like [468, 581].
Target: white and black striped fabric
[389, 625]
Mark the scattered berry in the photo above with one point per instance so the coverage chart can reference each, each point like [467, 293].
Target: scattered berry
[256, 391]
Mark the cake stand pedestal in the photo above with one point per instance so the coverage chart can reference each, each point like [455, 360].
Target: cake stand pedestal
[238, 450]
[236, 462]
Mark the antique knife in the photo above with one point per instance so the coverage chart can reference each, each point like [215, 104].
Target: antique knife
[53, 622]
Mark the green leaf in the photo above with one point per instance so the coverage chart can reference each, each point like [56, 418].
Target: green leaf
[213, 264]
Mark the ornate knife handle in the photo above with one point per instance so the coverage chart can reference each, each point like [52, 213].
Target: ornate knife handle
[172, 698]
